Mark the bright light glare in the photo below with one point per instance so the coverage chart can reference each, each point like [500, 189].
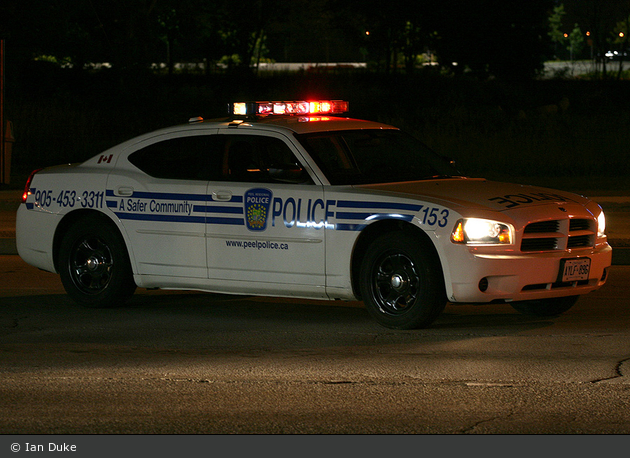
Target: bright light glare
[601, 224]
[482, 232]
[240, 108]
[480, 228]
[265, 108]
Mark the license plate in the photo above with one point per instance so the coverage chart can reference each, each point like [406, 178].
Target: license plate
[574, 269]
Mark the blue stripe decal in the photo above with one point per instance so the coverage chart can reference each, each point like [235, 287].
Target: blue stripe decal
[214, 209]
[168, 218]
[350, 227]
[159, 195]
[231, 221]
[174, 196]
[379, 205]
[380, 216]
[349, 215]
[181, 219]
[372, 216]
[222, 211]
[234, 199]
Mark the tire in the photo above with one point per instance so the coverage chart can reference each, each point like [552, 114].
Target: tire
[94, 265]
[545, 307]
[401, 282]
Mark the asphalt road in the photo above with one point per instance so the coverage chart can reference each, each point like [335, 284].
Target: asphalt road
[187, 363]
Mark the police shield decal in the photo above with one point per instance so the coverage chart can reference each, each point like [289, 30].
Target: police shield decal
[257, 204]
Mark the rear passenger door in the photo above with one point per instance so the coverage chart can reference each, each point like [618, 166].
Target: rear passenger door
[160, 196]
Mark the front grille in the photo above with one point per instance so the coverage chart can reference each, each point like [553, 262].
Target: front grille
[559, 234]
[581, 225]
[542, 226]
[546, 244]
[580, 241]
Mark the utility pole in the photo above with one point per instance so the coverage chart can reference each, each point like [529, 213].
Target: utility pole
[6, 128]
[2, 156]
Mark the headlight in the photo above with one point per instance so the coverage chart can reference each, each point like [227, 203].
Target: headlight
[476, 231]
[601, 225]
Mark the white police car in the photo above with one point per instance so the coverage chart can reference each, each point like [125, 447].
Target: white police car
[287, 199]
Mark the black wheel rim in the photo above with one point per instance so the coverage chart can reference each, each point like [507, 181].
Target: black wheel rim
[396, 283]
[91, 264]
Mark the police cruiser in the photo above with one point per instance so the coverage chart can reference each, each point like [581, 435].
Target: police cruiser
[291, 199]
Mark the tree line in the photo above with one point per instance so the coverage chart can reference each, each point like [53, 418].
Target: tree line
[504, 39]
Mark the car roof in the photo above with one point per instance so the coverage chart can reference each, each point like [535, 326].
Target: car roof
[278, 124]
[300, 124]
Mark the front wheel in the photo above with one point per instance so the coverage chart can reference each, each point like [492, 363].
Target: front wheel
[94, 265]
[545, 307]
[401, 282]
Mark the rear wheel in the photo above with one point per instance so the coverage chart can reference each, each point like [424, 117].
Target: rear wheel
[545, 307]
[94, 265]
[401, 282]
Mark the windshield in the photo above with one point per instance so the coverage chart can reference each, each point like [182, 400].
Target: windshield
[374, 156]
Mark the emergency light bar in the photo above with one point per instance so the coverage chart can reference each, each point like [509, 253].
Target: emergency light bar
[288, 108]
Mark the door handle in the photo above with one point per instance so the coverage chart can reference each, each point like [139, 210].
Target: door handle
[222, 196]
[124, 191]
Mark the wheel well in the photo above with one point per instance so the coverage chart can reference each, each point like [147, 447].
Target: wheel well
[371, 233]
[71, 219]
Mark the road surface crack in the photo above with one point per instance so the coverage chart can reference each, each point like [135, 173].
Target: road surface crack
[619, 372]
[471, 429]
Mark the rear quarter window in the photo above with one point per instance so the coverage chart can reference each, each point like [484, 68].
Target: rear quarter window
[183, 158]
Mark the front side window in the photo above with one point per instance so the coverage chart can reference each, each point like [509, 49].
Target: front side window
[373, 156]
[253, 158]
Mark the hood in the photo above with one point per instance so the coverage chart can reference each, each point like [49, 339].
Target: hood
[480, 193]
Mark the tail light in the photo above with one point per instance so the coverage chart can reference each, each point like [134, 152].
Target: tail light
[27, 188]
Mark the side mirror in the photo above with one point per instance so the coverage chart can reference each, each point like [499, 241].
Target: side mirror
[451, 162]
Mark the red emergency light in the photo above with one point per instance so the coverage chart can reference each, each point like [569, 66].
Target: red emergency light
[309, 107]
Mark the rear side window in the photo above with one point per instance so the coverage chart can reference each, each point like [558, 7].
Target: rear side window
[196, 157]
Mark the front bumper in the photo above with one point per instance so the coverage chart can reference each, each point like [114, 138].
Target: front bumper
[487, 276]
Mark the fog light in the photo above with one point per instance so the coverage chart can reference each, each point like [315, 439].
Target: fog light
[483, 285]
